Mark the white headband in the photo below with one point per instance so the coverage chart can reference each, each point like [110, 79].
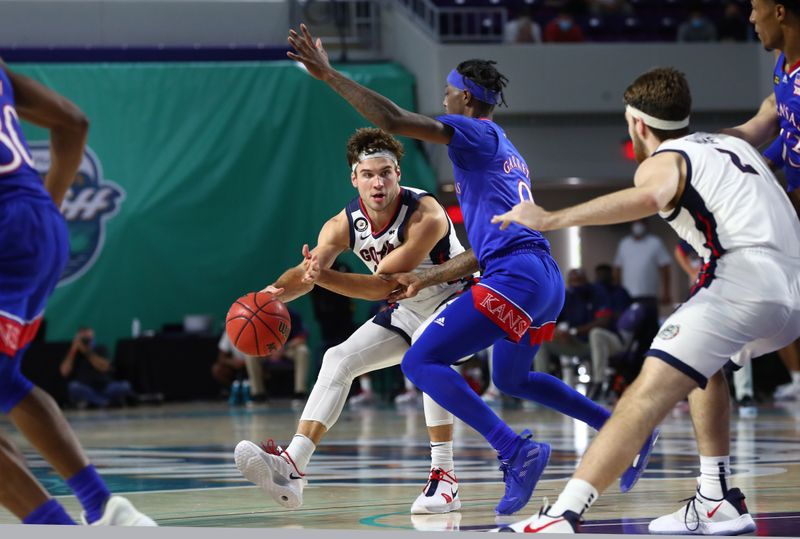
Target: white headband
[363, 156]
[657, 123]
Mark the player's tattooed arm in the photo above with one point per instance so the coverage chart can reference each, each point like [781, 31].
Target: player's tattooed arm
[412, 282]
[68, 128]
[371, 105]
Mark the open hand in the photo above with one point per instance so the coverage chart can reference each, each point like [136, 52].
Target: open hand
[309, 52]
[273, 290]
[525, 213]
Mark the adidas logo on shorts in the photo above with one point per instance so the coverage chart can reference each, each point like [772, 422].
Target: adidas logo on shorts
[439, 321]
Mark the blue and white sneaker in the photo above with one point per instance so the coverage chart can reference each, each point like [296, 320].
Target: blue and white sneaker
[635, 471]
[521, 473]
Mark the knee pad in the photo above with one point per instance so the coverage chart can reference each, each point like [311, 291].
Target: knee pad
[13, 385]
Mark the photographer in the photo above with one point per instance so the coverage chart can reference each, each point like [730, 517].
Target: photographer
[88, 370]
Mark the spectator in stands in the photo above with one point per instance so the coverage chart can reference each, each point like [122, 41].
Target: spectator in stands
[642, 267]
[229, 370]
[733, 26]
[88, 370]
[522, 29]
[564, 27]
[604, 339]
[697, 28]
[571, 337]
[610, 7]
[296, 351]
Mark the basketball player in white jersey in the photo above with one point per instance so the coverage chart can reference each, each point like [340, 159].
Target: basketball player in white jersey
[719, 195]
[390, 228]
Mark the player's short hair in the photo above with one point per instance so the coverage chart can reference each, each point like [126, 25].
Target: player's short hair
[484, 73]
[663, 93]
[371, 140]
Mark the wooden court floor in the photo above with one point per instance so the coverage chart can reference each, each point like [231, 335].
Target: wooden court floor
[175, 462]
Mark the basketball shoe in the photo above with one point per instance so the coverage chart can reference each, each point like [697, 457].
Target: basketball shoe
[272, 469]
[120, 512]
[541, 522]
[521, 473]
[704, 516]
[440, 494]
[634, 472]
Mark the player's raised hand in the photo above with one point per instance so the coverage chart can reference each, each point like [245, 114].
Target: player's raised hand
[525, 213]
[409, 285]
[309, 52]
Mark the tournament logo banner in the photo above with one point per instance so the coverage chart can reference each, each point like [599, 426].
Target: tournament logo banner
[88, 205]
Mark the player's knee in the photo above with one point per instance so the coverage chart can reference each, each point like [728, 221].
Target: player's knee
[412, 367]
[507, 384]
[336, 366]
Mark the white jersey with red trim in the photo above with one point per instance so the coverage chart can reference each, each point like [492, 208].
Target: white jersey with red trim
[731, 199]
[371, 246]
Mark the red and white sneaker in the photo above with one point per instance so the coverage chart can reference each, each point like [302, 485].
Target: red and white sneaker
[440, 494]
[569, 522]
[703, 516]
[272, 469]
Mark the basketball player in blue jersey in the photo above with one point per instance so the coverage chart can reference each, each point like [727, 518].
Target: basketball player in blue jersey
[34, 247]
[389, 228]
[521, 292]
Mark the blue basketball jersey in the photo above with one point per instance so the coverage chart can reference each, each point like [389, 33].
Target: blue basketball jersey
[17, 173]
[785, 150]
[491, 177]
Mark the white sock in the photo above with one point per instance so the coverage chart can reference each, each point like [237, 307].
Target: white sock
[578, 496]
[442, 455]
[714, 472]
[300, 449]
[366, 384]
[796, 378]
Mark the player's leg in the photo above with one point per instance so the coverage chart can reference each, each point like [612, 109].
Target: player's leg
[280, 473]
[32, 410]
[512, 375]
[22, 494]
[441, 492]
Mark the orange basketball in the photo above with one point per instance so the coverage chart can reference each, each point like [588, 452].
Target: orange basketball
[258, 324]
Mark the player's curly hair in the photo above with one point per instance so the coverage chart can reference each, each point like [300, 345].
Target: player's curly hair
[664, 93]
[484, 73]
[372, 139]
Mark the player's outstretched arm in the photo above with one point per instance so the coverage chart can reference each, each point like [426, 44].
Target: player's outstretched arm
[68, 127]
[332, 241]
[410, 283]
[761, 128]
[371, 105]
[658, 185]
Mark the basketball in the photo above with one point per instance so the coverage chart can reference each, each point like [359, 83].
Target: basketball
[258, 324]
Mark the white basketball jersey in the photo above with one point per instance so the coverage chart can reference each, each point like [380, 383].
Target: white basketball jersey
[731, 199]
[371, 246]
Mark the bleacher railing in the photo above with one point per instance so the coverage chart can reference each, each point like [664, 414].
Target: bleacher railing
[458, 24]
[342, 24]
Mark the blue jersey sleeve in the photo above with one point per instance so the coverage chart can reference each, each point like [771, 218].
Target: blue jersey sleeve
[473, 141]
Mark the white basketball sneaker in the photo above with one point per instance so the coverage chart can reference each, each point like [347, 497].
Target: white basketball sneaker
[787, 392]
[702, 516]
[440, 494]
[272, 469]
[120, 512]
[541, 522]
